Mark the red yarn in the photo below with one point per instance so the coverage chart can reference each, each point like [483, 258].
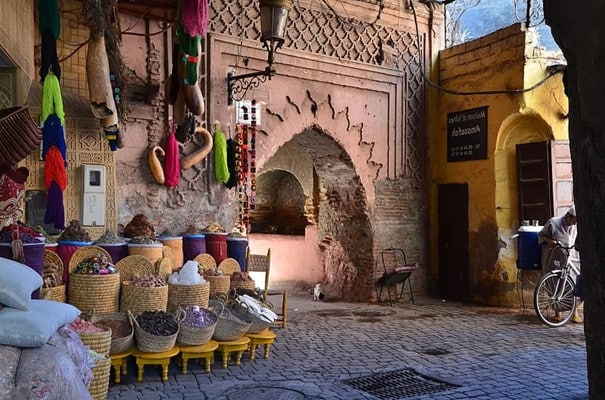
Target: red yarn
[54, 169]
[172, 168]
[194, 16]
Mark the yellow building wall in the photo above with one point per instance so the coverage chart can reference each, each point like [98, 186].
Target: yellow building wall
[476, 74]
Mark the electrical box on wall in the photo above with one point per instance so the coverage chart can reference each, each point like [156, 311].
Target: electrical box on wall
[93, 195]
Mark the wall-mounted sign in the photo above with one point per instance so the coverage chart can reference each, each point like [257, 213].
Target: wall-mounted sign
[467, 135]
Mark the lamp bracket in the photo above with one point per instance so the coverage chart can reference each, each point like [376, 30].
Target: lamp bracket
[238, 85]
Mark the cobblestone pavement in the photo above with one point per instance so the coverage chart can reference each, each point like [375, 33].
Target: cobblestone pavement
[481, 352]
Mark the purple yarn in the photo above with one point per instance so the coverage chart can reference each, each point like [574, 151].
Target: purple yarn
[55, 212]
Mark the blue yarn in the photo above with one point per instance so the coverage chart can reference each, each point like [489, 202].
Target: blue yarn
[52, 134]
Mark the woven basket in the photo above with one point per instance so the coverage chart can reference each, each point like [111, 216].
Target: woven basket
[187, 295]
[205, 261]
[258, 324]
[84, 253]
[246, 285]
[230, 325]
[219, 284]
[99, 385]
[229, 266]
[94, 292]
[195, 336]
[164, 267]
[55, 293]
[135, 266]
[120, 344]
[19, 135]
[149, 343]
[99, 342]
[139, 299]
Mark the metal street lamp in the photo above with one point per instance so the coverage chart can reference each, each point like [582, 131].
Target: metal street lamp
[273, 17]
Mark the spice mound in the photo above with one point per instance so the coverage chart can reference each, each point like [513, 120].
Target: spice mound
[139, 226]
[109, 237]
[197, 317]
[119, 328]
[158, 323]
[148, 281]
[74, 232]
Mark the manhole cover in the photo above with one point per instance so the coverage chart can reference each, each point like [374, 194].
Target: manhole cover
[398, 384]
[272, 393]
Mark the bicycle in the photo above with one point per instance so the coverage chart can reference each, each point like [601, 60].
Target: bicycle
[555, 298]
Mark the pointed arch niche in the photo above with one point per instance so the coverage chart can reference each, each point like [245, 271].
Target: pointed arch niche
[516, 129]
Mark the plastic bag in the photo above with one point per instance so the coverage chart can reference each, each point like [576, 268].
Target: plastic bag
[188, 275]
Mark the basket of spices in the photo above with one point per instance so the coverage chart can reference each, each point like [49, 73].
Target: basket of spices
[220, 282]
[242, 281]
[187, 288]
[154, 331]
[52, 278]
[98, 338]
[122, 333]
[196, 325]
[142, 290]
[144, 293]
[94, 282]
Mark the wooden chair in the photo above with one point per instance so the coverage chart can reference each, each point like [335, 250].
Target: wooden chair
[262, 263]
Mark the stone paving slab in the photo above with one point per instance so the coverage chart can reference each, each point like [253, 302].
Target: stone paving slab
[489, 353]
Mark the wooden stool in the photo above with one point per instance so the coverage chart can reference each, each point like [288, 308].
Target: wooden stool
[238, 346]
[162, 359]
[119, 361]
[265, 338]
[203, 351]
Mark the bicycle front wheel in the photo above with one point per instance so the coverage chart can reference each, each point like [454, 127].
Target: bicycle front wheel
[554, 299]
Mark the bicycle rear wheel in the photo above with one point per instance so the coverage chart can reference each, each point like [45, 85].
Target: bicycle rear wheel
[554, 299]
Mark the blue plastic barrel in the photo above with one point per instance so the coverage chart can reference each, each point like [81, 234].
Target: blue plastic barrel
[236, 248]
[529, 252]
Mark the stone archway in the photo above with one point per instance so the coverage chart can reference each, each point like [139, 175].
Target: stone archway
[335, 201]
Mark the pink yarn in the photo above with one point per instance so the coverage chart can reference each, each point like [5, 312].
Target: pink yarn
[194, 15]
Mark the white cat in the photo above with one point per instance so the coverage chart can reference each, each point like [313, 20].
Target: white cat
[317, 294]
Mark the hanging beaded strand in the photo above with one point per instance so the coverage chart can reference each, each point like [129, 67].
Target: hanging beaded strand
[252, 154]
[239, 169]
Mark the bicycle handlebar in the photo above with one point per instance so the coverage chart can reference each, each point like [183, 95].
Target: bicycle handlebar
[558, 244]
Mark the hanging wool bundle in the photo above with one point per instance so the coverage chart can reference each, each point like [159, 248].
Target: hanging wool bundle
[55, 212]
[52, 135]
[231, 151]
[50, 27]
[194, 16]
[54, 169]
[189, 48]
[221, 170]
[172, 168]
[52, 101]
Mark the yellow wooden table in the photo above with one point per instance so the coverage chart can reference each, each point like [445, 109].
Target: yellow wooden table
[237, 346]
[162, 359]
[264, 338]
[119, 361]
[203, 351]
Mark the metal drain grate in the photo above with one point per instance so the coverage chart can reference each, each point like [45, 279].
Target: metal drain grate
[398, 384]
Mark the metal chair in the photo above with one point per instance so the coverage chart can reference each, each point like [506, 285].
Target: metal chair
[401, 273]
[262, 263]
